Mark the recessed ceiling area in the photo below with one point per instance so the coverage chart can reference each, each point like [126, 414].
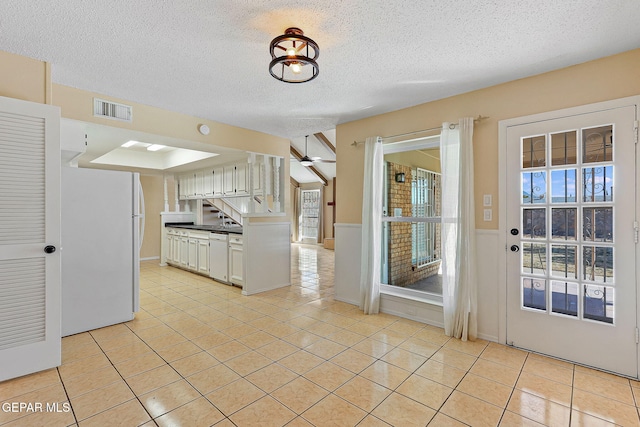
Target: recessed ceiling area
[104, 150]
[143, 155]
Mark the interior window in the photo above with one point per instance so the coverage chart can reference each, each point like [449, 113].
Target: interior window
[411, 222]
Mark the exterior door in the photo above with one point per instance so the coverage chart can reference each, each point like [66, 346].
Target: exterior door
[571, 235]
[310, 214]
[29, 237]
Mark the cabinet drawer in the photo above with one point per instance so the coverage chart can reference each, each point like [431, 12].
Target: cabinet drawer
[194, 234]
[235, 239]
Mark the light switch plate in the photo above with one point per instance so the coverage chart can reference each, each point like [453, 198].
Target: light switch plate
[488, 214]
[487, 200]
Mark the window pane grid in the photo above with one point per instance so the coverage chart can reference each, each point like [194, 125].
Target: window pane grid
[423, 205]
[567, 255]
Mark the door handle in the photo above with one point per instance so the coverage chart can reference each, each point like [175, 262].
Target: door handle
[49, 249]
[515, 248]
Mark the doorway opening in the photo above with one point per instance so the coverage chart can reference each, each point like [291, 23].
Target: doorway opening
[310, 202]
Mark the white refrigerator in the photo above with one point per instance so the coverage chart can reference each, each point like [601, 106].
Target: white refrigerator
[102, 224]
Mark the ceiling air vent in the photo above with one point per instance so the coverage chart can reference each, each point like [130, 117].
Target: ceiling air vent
[112, 110]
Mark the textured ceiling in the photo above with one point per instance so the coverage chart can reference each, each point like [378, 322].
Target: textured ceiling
[209, 58]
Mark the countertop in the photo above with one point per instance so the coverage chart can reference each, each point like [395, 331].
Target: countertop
[232, 229]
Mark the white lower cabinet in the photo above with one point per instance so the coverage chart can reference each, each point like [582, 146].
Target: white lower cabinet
[192, 263]
[236, 267]
[168, 244]
[184, 249]
[203, 256]
[199, 251]
[174, 257]
[188, 249]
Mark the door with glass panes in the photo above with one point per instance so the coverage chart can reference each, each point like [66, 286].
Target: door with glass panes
[570, 218]
[309, 216]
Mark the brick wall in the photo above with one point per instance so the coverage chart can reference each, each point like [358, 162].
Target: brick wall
[402, 272]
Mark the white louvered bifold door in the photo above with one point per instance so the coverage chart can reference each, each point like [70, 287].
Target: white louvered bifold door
[29, 223]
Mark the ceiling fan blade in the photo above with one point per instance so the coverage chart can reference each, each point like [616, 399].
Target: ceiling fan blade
[324, 161]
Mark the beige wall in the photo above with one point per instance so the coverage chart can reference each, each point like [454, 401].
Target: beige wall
[153, 188]
[78, 105]
[600, 80]
[24, 78]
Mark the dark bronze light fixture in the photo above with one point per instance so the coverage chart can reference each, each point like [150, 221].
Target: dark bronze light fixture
[294, 57]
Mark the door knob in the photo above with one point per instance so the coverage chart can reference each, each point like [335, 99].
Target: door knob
[515, 248]
[514, 231]
[49, 249]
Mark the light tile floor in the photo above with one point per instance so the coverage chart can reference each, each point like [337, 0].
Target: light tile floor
[199, 353]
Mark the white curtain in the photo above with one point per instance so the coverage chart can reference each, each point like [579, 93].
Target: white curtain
[371, 226]
[459, 279]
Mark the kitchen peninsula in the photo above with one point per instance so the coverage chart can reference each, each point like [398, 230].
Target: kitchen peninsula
[228, 231]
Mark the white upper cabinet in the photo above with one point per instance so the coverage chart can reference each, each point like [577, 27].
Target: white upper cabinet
[242, 179]
[187, 186]
[212, 179]
[260, 178]
[207, 180]
[218, 177]
[228, 180]
[199, 177]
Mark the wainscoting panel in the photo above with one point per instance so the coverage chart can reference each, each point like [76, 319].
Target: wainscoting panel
[347, 276]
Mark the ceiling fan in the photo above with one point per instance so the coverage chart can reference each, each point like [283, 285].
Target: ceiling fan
[309, 161]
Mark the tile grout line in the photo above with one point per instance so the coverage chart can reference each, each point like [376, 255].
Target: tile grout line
[67, 394]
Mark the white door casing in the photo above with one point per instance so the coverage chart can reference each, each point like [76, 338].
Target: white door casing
[29, 222]
[570, 193]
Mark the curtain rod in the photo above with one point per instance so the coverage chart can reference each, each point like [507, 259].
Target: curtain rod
[451, 126]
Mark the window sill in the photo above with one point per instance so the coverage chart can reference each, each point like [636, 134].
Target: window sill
[411, 294]
[416, 267]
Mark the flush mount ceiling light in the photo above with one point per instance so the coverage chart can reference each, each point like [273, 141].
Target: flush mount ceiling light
[294, 57]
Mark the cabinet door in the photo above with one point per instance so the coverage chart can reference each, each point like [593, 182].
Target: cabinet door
[229, 181]
[184, 251]
[199, 177]
[192, 263]
[218, 178]
[207, 180]
[183, 186]
[169, 245]
[30, 318]
[175, 249]
[236, 268]
[242, 178]
[203, 256]
[258, 177]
